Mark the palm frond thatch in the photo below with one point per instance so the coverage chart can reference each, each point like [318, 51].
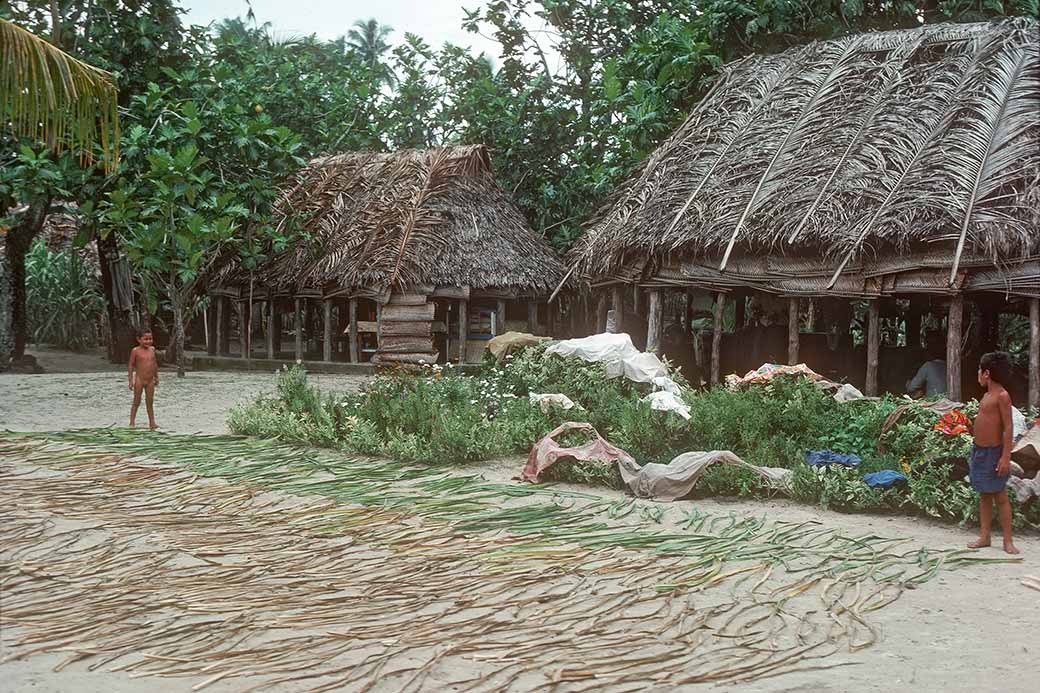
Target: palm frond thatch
[905, 142]
[413, 217]
[50, 96]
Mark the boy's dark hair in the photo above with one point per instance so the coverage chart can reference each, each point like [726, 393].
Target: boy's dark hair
[142, 331]
[998, 363]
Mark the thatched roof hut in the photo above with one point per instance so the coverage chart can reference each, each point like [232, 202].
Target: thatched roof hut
[412, 223]
[882, 164]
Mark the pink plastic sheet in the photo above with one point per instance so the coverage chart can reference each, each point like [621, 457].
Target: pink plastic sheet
[546, 452]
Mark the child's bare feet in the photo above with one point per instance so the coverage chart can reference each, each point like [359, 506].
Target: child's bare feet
[153, 426]
[979, 543]
[1010, 548]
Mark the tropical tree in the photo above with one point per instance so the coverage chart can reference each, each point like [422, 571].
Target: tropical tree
[47, 95]
[368, 40]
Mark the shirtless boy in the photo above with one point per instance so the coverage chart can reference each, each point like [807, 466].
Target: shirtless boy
[144, 364]
[990, 462]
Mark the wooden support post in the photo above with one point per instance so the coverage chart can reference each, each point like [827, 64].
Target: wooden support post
[211, 327]
[913, 325]
[954, 332]
[532, 316]
[551, 313]
[298, 327]
[687, 313]
[873, 346]
[500, 318]
[379, 325]
[716, 338]
[793, 310]
[741, 310]
[271, 327]
[618, 303]
[1034, 353]
[354, 350]
[326, 344]
[463, 329]
[223, 326]
[653, 327]
[243, 329]
[601, 313]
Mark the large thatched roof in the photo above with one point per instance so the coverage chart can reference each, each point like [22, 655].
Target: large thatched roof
[831, 158]
[436, 217]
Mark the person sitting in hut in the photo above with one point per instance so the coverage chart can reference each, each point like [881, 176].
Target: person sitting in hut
[931, 376]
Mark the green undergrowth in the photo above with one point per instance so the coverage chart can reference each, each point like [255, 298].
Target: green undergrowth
[439, 417]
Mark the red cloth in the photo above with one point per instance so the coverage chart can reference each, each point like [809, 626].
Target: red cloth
[953, 423]
[546, 452]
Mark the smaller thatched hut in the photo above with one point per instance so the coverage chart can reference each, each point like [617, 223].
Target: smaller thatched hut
[412, 256]
[898, 169]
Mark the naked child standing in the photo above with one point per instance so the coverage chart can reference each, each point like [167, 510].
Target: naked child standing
[143, 374]
[990, 463]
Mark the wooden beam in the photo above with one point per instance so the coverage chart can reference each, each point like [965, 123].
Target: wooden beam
[463, 326]
[1034, 353]
[243, 329]
[354, 350]
[271, 326]
[618, 303]
[653, 327]
[873, 346]
[955, 328]
[326, 343]
[601, 313]
[716, 338]
[211, 326]
[298, 327]
[532, 317]
[500, 317]
[793, 310]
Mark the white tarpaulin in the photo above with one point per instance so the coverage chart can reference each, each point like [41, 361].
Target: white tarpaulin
[547, 402]
[616, 352]
[667, 401]
[677, 478]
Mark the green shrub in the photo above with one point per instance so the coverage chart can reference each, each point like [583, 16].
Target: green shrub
[64, 303]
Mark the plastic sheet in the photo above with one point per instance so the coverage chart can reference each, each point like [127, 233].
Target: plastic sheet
[676, 479]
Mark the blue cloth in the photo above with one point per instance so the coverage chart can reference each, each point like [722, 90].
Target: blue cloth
[883, 479]
[825, 458]
[982, 469]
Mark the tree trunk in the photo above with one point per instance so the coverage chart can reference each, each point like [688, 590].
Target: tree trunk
[175, 351]
[953, 347]
[121, 329]
[654, 320]
[1034, 353]
[19, 240]
[873, 346]
[716, 338]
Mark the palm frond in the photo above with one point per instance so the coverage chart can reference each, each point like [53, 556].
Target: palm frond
[48, 95]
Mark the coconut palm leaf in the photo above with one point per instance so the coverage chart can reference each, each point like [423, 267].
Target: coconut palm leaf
[50, 96]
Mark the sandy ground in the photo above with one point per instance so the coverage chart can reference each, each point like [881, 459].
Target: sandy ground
[85, 391]
[971, 629]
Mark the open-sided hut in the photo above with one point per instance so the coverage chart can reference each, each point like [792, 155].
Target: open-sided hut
[899, 168]
[411, 256]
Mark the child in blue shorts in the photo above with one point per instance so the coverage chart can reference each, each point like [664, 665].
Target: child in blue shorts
[990, 463]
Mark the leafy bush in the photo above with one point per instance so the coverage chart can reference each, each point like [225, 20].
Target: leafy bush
[64, 304]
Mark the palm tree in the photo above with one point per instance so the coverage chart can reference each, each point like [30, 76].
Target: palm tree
[48, 95]
[368, 41]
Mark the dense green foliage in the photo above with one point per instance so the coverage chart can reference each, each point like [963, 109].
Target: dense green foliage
[64, 304]
[439, 417]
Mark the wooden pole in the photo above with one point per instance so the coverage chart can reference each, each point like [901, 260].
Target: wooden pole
[793, 306]
[953, 348]
[617, 300]
[243, 329]
[601, 313]
[716, 338]
[500, 318]
[271, 327]
[211, 327]
[532, 316]
[653, 327]
[873, 346]
[463, 329]
[223, 326]
[327, 342]
[1034, 353]
[354, 351]
[298, 325]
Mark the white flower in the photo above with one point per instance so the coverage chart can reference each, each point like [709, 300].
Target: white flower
[299, 362]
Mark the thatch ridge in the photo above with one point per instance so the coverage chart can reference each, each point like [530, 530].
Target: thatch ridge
[845, 151]
[407, 218]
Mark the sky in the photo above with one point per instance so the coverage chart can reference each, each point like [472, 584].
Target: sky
[436, 21]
